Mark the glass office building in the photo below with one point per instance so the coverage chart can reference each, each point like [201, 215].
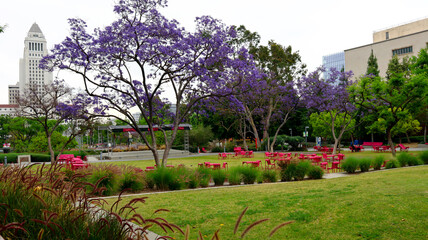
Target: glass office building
[335, 60]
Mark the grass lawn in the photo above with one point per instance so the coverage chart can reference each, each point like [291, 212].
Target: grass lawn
[194, 160]
[390, 204]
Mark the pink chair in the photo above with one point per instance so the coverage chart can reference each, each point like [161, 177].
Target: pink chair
[269, 164]
[403, 148]
[324, 165]
[225, 165]
[334, 167]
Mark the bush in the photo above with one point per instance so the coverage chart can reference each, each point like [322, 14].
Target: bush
[377, 162]
[40, 158]
[288, 173]
[162, 178]
[350, 165]
[315, 172]
[203, 176]
[217, 149]
[392, 164]
[249, 174]
[218, 177]
[269, 175]
[414, 161]
[403, 158]
[424, 156]
[235, 177]
[302, 169]
[105, 176]
[364, 164]
[131, 180]
[11, 157]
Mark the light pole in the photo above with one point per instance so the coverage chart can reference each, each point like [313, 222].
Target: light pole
[306, 135]
[291, 132]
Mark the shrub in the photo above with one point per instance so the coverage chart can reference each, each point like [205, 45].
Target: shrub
[350, 165]
[377, 162]
[269, 175]
[424, 156]
[218, 177]
[235, 177]
[40, 158]
[105, 176]
[414, 161]
[249, 174]
[364, 164]
[315, 172]
[161, 177]
[216, 149]
[204, 176]
[392, 164]
[302, 169]
[11, 157]
[403, 158]
[131, 180]
[194, 180]
[288, 173]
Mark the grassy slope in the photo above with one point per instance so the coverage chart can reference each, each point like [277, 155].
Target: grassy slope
[377, 205]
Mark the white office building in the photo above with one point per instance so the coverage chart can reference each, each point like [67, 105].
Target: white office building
[30, 74]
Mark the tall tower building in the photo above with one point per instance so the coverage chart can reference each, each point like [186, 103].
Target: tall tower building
[30, 74]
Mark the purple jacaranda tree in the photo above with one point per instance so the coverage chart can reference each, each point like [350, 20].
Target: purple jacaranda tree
[133, 62]
[330, 95]
[52, 105]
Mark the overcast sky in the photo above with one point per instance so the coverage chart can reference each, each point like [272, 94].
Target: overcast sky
[313, 27]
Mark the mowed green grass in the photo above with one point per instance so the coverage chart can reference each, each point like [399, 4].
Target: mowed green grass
[193, 161]
[391, 204]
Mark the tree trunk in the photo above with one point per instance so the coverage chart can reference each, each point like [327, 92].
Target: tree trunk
[267, 125]
[253, 126]
[408, 138]
[277, 131]
[336, 142]
[372, 138]
[51, 151]
[390, 143]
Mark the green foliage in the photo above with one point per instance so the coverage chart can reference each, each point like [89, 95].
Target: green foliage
[105, 176]
[321, 124]
[219, 176]
[403, 159]
[302, 169]
[286, 142]
[249, 174]
[40, 142]
[270, 175]
[315, 172]
[364, 164]
[377, 162]
[424, 157]
[372, 67]
[132, 181]
[169, 178]
[350, 165]
[235, 177]
[40, 157]
[392, 164]
[414, 161]
[201, 135]
[288, 172]
[203, 176]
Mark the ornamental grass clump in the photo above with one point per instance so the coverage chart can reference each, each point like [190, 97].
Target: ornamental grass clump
[350, 165]
[249, 174]
[203, 176]
[38, 203]
[269, 175]
[403, 159]
[301, 170]
[131, 180]
[392, 164]
[315, 172]
[364, 164]
[107, 176]
[288, 172]
[424, 157]
[377, 162]
[234, 176]
[219, 176]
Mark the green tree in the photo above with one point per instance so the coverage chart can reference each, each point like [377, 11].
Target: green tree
[393, 99]
[372, 67]
[321, 124]
[22, 130]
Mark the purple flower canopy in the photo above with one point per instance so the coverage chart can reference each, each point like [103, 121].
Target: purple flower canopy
[164, 55]
[327, 94]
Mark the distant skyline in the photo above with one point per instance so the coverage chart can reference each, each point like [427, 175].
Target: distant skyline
[314, 28]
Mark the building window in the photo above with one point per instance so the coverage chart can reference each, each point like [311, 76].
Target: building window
[387, 35]
[402, 51]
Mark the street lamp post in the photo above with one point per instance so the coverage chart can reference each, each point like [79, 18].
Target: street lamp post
[306, 135]
[291, 132]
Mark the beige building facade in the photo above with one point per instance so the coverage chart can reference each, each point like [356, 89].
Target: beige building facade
[403, 42]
